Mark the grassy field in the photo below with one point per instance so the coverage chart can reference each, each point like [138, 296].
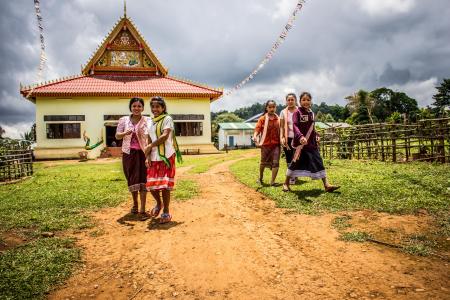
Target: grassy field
[56, 198]
[202, 163]
[385, 187]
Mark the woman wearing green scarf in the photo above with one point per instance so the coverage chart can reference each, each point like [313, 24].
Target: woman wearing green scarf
[161, 152]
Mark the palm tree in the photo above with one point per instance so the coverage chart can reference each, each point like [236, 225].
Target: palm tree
[361, 102]
[28, 136]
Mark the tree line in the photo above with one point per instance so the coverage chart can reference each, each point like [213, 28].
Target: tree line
[363, 107]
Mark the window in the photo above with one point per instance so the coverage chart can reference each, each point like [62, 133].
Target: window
[64, 131]
[188, 128]
[188, 117]
[116, 117]
[64, 118]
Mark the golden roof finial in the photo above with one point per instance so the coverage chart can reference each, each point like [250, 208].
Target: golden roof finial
[124, 8]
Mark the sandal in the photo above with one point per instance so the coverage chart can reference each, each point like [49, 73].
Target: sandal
[331, 188]
[165, 218]
[155, 211]
[144, 216]
[286, 188]
[134, 210]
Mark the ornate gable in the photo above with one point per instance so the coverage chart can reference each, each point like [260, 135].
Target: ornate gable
[124, 50]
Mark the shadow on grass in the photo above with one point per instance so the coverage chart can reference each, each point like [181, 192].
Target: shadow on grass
[155, 225]
[308, 195]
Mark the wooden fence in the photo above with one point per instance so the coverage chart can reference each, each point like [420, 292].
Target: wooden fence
[15, 162]
[427, 140]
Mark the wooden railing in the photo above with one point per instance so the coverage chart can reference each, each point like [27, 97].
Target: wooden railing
[427, 140]
[15, 164]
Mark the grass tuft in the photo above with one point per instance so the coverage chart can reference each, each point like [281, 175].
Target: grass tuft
[186, 189]
[341, 222]
[355, 236]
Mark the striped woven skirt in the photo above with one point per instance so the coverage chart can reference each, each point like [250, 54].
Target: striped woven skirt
[160, 176]
[309, 164]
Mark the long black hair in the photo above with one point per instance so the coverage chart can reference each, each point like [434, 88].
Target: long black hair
[305, 94]
[160, 101]
[293, 95]
[268, 103]
[135, 99]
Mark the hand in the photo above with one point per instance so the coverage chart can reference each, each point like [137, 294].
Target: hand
[148, 149]
[303, 141]
[148, 163]
[128, 132]
[283, 142]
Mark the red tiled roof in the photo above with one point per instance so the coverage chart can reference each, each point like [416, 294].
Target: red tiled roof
[121, 85]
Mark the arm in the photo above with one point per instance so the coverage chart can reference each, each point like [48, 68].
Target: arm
[161, 140]
[148, 161]
[258, 129]
[283, 138]
[120, 130]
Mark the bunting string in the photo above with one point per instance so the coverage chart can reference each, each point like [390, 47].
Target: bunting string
[43, 57]
[281, 38]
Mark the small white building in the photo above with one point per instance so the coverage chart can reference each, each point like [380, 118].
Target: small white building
[235, 135]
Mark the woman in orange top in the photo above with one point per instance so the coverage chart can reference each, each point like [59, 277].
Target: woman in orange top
[268, 129]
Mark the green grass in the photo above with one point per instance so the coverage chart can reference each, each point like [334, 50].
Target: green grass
[418, 244]
[380, 186]
[341, 222]
[55, 198]
[186, 189]
[30, 271]
[202, 163]
[355, 236]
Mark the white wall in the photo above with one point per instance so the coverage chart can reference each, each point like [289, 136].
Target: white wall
[94, 108]
[241, 137]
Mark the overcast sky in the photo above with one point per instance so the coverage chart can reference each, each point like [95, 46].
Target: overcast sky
[334, 49]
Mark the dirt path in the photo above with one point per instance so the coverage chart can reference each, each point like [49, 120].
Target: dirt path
[232, 243]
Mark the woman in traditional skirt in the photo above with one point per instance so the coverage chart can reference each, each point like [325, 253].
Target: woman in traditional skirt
[287, 128]
[267, 136]
[307, 161]
[161, 152]
[133, 130]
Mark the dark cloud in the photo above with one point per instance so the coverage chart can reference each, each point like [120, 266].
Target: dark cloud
[394, 76]
[335, 48]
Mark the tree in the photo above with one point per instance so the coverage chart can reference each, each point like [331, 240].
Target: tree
[30, 135]
[321, 117]
[227, 118]
[2, 132]
[223, 118]
[394, 118]
[249, 111]
[362, 103]
[387, 101]
[337, 112]
[425, 113]
[442, 98]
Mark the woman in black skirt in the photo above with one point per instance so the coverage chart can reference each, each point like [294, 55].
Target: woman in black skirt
[306, 161]
[132, 129]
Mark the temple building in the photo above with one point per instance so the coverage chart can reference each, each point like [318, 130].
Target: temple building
[68, 110]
